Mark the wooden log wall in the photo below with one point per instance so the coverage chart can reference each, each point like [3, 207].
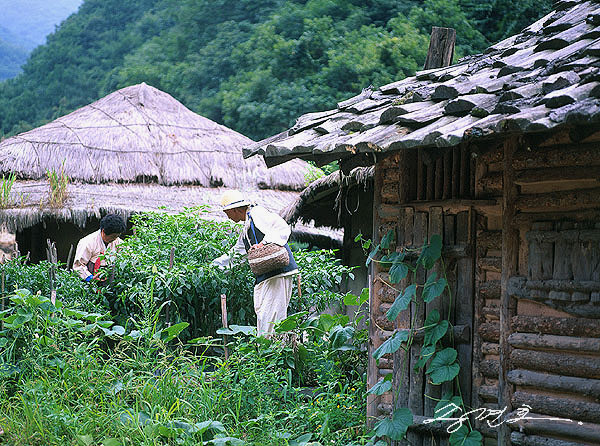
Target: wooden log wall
[551, 326]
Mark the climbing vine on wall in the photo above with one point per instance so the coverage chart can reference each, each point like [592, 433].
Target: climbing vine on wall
[438, 357]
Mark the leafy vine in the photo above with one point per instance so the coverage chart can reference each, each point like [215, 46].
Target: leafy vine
[438, 360]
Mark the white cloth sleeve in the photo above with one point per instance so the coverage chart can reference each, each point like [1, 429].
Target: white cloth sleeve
[275, 229]
[82, 257]
[224, 261]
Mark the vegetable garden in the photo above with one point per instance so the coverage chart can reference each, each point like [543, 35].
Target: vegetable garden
[141, 362]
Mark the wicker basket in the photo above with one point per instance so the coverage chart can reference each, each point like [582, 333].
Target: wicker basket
[267, 257]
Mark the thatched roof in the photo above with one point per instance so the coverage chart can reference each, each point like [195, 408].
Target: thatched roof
[95, 200]
[141, 134]
[542, 79]
[321, 202]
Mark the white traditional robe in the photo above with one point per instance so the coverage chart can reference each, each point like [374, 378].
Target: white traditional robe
[89, 249]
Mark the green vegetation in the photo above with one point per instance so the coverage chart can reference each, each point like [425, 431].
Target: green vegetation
[58, 183]
[252, 65]
[79, 373]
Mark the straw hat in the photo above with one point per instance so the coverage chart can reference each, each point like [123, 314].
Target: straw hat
[232, 199]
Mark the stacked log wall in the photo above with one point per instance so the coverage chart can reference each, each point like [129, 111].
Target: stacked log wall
[553, 342]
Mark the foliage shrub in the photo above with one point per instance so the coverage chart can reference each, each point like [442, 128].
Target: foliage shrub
[191, 287]
[69, 286]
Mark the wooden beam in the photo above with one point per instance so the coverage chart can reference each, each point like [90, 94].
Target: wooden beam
[560, 383]
[558, 407]
[510, 252]
[519, 439]
[539, 341]
[540, 425]
[441, 48]
[556, 363]
[374, 301]
[567, 326]
[563, 201]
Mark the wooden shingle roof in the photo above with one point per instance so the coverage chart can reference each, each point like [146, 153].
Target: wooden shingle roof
[545, 77]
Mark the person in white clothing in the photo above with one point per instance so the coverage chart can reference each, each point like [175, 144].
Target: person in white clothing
[89, 248]
[273, 290]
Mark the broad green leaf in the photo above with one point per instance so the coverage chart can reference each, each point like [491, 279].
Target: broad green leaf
[443, 366]
[372, 255]
[290, 323]
[387, 239]
[3, 342]
[432, 318]
[401, 302]
[352, 299]
[396, 427]
[398, 271]
[203, 426]
[328, 321]
[464, 437]
[340, 338]
[433, 288]
[382, 386]
[427, 352]
[391, 345]
[226, 441]
[111, 442]
[84, 440]
[302, 440]
[431, 252]
[435, 333]
[174, 330]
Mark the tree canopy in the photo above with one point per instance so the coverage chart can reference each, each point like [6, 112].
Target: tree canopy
[252, 65]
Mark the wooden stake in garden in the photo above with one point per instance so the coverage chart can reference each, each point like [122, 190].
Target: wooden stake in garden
[3, 297]
[171, 261]
[52, 258]
[224, 321]
[69, 258]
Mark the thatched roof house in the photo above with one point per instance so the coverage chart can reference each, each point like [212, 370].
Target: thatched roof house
[133, 150]
[140, 134]
[499, 156]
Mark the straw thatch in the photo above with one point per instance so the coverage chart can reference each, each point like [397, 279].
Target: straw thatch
[86, 201]
[141, 134]
[324, 201]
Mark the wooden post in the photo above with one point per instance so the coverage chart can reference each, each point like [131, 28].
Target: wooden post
[3, 297]
[374, 302]
[224, 322]
[171, 261]
[69, 258]
[52, 258]
[510, 250]
[441, 48]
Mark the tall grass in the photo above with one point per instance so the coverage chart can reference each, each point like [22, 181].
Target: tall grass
[7, 199]
[58, 183]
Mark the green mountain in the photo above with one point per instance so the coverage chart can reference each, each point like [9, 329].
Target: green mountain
[24, 24]
[30, 21]
[253, 65]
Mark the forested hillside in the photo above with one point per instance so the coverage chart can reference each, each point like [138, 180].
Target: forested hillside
[253, 65]
[24, 24]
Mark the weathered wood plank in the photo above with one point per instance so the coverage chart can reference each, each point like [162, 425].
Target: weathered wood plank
[374, 301]
[565, 428]
[519, 439]
[534, 341]
[557, 326]
[557, 363]
[510, 252]
[585, 155]
[562, 201]
[568, 384]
